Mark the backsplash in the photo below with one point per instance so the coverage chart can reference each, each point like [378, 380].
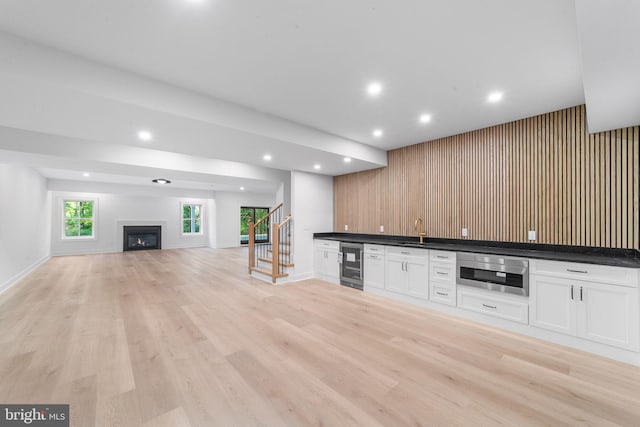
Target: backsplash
[543, 173]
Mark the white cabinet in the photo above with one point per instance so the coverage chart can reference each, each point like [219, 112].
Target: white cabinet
[496, 304]
[552, 304]
[595, 310]
[395, 278]
[326, 265]
[374, 265]
[608, 314]
[406, 271]
[442, 277]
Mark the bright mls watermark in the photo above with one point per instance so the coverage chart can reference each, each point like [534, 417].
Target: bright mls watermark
[34, 415]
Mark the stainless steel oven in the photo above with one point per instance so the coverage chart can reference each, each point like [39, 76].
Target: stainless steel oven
[351, 266]
[493, 272]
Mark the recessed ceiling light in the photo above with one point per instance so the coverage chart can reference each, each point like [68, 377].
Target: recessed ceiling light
[86, 174]
[267, 157]
[145, 135]
[316, 166]
[347, 159]
[161, 181]
[425, 118]
[377, 133]
[241, 188]
[374, 89]
[494, 97]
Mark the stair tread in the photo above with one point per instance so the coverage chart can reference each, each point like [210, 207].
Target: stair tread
[281, 252]
[270, 261]
[267, 272]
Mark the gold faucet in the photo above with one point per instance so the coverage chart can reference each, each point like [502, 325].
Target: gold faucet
[421, 232]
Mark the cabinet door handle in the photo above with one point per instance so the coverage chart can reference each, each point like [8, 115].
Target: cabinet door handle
[577, 271]
[571, 292]
[581, 293]
[405, 253]
[442, 293]
[442, 257]
[440, 273]
[489, 306]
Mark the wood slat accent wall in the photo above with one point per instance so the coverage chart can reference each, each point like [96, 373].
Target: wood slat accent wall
[543, 173]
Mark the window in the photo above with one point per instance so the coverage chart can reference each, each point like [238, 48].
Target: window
[79, 219]
[251, 214]
[191, 219]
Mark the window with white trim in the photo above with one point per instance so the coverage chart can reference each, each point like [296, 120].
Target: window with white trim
[78, 219]
[191, 218]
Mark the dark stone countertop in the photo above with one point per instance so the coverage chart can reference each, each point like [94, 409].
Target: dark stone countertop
[584, 254]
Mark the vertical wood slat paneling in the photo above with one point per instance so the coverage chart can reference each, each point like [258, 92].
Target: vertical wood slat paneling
[543, 173]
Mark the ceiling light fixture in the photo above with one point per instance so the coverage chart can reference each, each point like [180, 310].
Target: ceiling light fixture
[145, 135]
[377, 133]
[241, 188]
[161, 181]
[494, 97]
[316, 166]
[86, 174]
[347, 159]
[267, 157]
[425, 118]
[374, 89]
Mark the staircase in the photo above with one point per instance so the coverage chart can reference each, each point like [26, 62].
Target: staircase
[271, 259]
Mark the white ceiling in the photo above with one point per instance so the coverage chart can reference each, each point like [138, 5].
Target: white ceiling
[232, 80]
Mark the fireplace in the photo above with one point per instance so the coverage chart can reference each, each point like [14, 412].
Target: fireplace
[142, 237]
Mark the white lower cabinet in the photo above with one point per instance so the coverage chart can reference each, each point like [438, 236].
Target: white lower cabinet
[595, 303]
[600, 312]
[443, 293]
[509, 307]
[609, 314]
[552, 305]
[407, 272]
[442, 277]
[374, 264]
[325, 260]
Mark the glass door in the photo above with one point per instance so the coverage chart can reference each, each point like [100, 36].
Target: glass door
[253, 214]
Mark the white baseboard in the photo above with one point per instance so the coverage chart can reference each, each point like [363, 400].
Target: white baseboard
[302, 276]
[22, 274]
[74, 253]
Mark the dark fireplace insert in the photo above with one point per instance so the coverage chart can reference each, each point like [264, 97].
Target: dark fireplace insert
[142, 237]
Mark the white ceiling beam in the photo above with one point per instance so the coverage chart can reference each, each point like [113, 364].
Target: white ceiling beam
[610, 44]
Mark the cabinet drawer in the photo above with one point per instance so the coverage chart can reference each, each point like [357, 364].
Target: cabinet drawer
[496, 306]
[443, 293]
[442, 272]
[374, 249]
[326, 244]
[442, 256]
[404, 252]
[588, 272]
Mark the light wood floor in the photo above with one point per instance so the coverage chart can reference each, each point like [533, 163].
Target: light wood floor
[184, 337]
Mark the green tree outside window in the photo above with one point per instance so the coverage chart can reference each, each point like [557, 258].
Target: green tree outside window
[78, 218]
[191, 218]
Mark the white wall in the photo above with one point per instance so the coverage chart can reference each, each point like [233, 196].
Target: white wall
[116, 210]
[312, 200]
[25, 222]
[228, 214]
